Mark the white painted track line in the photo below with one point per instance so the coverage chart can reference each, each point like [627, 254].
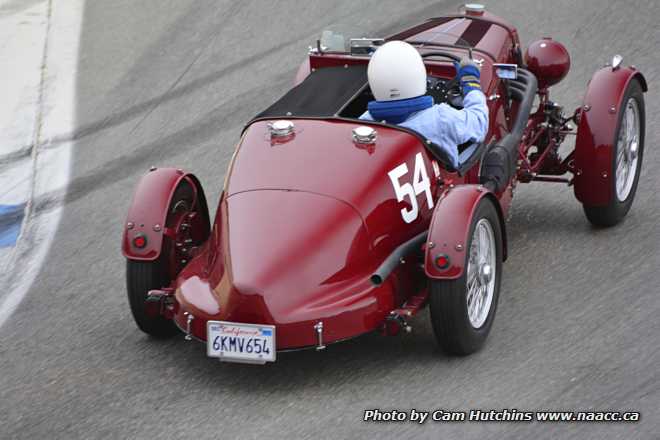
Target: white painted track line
[51, 115]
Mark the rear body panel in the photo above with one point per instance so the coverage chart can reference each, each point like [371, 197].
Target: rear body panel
[321, 158]
[266, 265]
[295, 244]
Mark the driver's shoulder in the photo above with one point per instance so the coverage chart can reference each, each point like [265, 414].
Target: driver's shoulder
[428, 118]
[437, 111]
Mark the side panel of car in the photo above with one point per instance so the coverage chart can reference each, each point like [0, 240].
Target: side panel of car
[448, 234]
[596, 132]
[145, 223]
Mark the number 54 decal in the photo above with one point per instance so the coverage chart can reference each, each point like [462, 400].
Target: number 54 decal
[420, 184]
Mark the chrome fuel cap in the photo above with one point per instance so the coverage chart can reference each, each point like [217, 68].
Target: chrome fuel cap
[281, 128]
[474, 9]
[364, 135]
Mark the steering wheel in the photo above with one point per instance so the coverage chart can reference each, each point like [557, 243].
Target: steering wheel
[451, 56]
[452, 84]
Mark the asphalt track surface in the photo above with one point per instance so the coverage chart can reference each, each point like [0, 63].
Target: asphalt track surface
[171, 83]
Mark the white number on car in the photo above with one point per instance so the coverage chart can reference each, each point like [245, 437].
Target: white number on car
[420, 184]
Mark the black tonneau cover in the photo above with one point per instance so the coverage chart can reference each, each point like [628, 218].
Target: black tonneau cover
[324, 93]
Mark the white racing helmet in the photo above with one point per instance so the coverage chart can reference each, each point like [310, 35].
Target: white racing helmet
[396, 71]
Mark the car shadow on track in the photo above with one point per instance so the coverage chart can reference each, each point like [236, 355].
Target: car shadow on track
[347, 362]
[354, 361]
[549, 224]
[537, 216]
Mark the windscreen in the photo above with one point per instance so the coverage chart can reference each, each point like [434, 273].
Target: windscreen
[460, 33]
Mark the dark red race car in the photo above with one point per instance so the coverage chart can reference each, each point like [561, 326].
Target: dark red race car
[330, 227]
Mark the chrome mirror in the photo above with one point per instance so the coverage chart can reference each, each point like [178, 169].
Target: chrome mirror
[506, 71]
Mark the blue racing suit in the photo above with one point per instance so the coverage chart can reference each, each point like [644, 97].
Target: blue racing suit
[448, 127]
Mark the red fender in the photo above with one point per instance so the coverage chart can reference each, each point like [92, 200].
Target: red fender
[450, 226]
[148, 211]
[595, 138]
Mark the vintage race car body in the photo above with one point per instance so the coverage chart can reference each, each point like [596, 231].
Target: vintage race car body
[317, 233]
[298, 244]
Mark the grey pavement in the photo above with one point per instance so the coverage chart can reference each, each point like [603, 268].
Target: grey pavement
[171, 82]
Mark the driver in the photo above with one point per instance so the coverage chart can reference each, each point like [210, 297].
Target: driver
[397, 78]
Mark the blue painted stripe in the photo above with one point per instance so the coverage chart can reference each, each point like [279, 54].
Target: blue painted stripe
[11, 217]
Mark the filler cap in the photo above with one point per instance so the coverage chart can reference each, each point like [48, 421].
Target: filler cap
[474, 9]
[281, 128]
[364, 135]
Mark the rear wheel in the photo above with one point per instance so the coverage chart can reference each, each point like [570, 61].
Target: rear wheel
[183, 217]
[141, 277]
[626, 160]
[463, 310]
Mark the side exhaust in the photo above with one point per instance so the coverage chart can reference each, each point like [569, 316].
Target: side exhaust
[394, 259]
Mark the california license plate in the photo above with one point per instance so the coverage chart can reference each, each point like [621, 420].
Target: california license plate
[231, 341]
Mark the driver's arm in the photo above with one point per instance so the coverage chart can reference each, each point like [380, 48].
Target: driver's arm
[467, 125]
[448, 127]
[471, 123]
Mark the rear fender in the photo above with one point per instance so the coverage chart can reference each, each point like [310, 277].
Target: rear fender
[594, 145]
[148, 211]
[450, 226]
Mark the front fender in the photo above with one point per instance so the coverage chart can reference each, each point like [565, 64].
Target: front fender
[595, 141]
[450, 227]
[148, 211]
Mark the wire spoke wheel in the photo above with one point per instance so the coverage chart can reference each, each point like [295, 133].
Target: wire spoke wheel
[627, 155]
[481, 263]
[627, 150]
[463, 309]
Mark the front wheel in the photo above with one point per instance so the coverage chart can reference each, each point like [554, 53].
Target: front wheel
[626, 160]
[463, 310]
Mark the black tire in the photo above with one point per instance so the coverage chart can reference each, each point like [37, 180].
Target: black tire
[616, 210]
[448, 302]
[141, 277]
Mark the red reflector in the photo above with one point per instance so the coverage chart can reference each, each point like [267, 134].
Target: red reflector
[140, 241]
[442, 261]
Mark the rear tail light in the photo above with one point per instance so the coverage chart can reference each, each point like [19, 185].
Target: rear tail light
[442, 261]
[140, 241]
